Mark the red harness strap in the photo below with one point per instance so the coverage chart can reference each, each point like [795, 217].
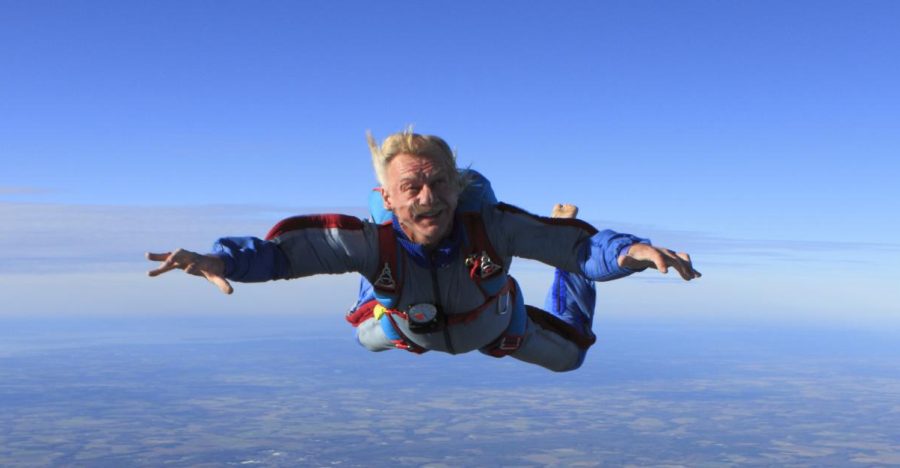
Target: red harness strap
[480, 256]
[505, 345]
[473, 314]
[555, 324]
[403, 342]
[388, 281]
[361, 314]
[511, 339]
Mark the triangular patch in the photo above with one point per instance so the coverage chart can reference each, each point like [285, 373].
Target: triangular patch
[386, 279]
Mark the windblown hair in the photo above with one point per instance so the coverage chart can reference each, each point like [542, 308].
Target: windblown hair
[429, 146]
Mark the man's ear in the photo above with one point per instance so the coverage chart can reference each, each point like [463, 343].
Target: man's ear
[385, 198]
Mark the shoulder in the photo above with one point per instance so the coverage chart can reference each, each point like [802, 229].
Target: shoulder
[510, 217]
[316, 221]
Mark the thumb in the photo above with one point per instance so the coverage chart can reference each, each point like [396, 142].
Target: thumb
[219, 281]
[222, 283]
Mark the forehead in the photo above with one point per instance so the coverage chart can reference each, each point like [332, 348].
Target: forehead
[412, 166]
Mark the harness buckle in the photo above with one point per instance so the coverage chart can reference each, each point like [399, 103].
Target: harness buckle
[510, 343]
[487, 266]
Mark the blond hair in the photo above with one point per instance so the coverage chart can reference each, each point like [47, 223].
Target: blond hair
[407, 142]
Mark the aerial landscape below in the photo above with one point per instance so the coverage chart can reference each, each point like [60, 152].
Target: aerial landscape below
[285, 392]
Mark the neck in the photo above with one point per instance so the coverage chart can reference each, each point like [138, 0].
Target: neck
[409, 235]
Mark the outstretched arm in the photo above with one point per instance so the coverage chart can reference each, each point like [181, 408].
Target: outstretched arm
[578, 247]
[243, 259]
[208, 266]
[296, 247]
[641, 255]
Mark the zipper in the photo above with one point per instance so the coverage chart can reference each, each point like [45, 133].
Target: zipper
[440, 308]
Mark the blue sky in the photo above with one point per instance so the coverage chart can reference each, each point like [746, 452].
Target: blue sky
[763, 137]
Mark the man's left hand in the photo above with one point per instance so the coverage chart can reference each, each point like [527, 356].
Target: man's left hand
[642, 256]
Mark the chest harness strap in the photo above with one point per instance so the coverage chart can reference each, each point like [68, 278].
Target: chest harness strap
[487, 274]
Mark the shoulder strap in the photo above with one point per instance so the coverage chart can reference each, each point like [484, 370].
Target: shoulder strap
[480, 256]
[388, 283]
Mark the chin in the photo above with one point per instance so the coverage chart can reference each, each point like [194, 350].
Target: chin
[430, 238]
[433, 234]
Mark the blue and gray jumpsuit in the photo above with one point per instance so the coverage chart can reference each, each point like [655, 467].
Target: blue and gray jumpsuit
[317, 244]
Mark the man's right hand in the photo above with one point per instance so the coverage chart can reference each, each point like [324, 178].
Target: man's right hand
[210, 267]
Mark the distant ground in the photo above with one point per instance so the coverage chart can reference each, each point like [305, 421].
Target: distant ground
[283, 392]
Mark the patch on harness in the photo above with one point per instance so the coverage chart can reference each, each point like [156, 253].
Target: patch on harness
[386, 279]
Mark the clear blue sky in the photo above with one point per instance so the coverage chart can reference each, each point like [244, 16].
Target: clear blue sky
[763, 137]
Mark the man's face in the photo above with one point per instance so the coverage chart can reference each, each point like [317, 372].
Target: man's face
[422, 195]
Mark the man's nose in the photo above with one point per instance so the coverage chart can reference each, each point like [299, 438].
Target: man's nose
[426, 195]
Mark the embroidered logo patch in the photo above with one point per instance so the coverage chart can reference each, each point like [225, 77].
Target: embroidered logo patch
[386, 279]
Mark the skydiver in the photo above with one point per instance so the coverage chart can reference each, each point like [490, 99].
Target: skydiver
[439, 269]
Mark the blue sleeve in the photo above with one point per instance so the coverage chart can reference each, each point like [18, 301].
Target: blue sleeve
[251, 260]
[598, 255]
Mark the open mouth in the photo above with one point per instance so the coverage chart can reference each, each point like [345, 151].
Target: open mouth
[428, 215]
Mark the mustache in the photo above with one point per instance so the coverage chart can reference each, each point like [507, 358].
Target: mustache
[418, 209]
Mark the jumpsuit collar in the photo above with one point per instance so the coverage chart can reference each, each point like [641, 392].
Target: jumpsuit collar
[441, 255]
